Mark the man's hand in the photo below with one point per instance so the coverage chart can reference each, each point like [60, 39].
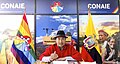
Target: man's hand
[53, 56]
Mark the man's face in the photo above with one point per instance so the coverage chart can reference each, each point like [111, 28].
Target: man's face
[60, 41]
[102, 37]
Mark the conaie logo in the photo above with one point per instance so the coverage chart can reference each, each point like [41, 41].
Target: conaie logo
[12, 5]
[99, 6]
[56, 7]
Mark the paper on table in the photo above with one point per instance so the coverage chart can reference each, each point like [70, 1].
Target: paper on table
[87, 62]
[60, 62]
[68, 58]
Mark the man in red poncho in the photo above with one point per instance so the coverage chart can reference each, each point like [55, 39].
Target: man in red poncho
[60, 50]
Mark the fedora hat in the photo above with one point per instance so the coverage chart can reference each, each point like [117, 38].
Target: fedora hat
[60, 33]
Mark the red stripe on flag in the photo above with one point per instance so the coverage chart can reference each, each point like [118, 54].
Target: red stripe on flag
[24, 18]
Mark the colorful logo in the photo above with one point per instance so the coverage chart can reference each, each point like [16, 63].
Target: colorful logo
[56, 7]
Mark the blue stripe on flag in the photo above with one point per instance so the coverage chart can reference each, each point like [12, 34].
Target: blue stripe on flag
[21, 55]
[26, 51]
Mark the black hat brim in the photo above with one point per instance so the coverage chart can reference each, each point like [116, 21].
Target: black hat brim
[60, 36]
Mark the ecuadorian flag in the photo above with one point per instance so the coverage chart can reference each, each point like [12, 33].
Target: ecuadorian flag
[90, 31]
[23, 47]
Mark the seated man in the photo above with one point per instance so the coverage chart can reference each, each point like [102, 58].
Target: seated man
[60, 50]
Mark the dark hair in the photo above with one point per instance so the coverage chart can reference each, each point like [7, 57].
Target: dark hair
[68, 34]
[110, 39]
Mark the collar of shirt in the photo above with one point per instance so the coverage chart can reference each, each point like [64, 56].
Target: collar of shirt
[64, 47]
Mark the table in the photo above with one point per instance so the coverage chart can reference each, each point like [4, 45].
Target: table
[69, 62]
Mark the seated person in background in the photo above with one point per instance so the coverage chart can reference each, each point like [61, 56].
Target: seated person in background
[110, 53]
[72, 40]
[60, 50]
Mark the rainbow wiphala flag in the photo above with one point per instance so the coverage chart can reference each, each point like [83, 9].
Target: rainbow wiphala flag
[23, 46]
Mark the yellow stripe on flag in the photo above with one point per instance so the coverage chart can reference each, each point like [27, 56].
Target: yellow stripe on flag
[32, 45]
[90, 30]
[24, 24]
[18, 40]
[23, 31]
